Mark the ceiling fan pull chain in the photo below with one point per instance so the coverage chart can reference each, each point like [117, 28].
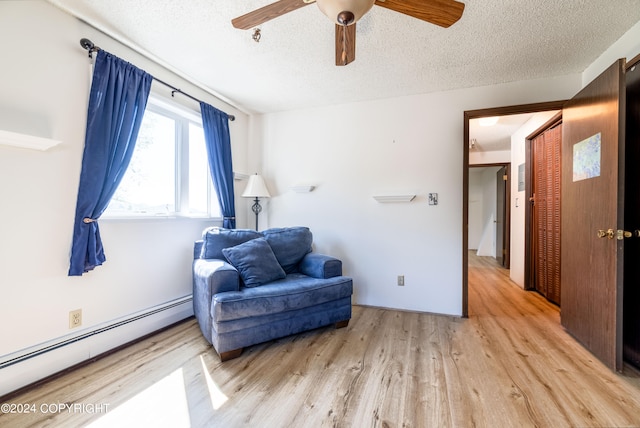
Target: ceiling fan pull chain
[344, 45]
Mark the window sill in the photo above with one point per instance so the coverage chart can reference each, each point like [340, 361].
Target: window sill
[145, 217]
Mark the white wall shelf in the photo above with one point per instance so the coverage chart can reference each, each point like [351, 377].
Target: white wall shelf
[26, 141]
[303, 188]
[393, 198]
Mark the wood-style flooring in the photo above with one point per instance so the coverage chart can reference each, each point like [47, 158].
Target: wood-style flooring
[510, 364]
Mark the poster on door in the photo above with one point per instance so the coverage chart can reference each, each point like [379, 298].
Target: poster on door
[586, 158]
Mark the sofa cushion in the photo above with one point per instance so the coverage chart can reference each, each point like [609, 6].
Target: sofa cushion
[216, 238]
[294, 292]
[255, 261]
[290, 245]
[230, 335]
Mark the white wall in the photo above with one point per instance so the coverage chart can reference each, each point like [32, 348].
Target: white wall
[497, 156]
[44, 82]
[353, 151]
[476, 203]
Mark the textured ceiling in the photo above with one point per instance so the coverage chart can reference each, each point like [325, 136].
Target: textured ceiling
[292, 67]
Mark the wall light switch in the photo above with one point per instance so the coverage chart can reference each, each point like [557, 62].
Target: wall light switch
[433, 199]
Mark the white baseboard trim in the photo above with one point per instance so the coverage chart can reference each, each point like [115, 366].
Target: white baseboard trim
[29, 365]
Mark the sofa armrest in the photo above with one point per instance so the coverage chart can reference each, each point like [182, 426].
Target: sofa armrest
[320, 266]
[215, 276]
[210, 277]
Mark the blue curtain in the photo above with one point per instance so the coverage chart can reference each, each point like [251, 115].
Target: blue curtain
[218, 142]
[119, 93]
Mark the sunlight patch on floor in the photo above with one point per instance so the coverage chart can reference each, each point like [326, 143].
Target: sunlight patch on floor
[215, 394]
[163, 404]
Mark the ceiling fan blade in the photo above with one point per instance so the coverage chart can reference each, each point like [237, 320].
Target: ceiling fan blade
[345, 44]
[440, 12]
[268, 12]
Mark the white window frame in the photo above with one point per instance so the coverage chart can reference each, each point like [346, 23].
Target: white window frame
[183, 117]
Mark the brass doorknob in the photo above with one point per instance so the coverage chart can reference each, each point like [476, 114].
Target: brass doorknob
[609, 233]
[618, 234]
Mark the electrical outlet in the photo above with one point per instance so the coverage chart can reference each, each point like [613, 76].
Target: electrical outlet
[75, 318]
[401, 280]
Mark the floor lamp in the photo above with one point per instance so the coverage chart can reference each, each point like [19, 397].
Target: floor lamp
[256, 189]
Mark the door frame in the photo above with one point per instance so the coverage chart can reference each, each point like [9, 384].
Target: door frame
[630, 327]
[477, 114]
[505, 245]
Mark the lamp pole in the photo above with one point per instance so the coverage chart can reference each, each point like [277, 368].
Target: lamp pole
[256, 208]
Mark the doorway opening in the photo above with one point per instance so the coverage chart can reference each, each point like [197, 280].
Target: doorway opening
[469, 146]
[489, 213]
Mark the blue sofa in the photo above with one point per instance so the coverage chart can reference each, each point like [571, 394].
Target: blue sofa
[251, 287]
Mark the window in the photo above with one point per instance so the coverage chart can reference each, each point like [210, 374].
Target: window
[169, 172]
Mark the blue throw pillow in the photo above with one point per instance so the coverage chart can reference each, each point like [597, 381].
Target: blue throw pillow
[290, 245]
[255, 262]
[217, 238]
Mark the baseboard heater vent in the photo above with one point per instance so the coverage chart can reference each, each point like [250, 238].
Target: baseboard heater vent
[38, 350]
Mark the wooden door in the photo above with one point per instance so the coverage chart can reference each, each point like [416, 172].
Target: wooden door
[547, 175]
[592, 179]
[500, 214]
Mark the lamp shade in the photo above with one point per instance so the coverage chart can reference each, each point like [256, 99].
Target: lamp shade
[332, 8]
[256, 188]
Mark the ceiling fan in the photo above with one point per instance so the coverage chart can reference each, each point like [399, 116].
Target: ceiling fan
[345, 14]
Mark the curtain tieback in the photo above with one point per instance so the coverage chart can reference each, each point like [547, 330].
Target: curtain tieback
[88, 220]
[228, 218]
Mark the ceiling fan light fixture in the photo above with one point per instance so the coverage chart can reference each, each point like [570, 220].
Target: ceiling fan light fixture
[333, 9]
[345, 18]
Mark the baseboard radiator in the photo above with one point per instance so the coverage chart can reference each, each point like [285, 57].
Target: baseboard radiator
[86, 344]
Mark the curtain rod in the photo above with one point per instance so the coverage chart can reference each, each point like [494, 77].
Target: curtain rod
[91, 48]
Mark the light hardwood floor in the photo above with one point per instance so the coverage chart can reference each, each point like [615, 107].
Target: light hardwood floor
[510, 364]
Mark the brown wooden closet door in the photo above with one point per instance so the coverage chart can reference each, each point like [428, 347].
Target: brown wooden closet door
[547, 177]
[540, 214]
